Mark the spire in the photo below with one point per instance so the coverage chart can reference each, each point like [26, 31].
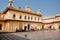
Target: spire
[10, 3]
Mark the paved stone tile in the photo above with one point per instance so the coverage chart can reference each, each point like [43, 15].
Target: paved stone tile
[35, 35]
[41, 35]
[11, 37]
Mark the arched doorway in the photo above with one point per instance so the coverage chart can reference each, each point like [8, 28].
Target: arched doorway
[50, 27]
[42, 26]
[0, 27]
[25, 27]
[59, 26]
[28, 26]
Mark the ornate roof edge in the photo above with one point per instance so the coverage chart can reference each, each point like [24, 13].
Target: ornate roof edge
[19, 10]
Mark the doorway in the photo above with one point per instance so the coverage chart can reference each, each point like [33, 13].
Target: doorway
[25, 27]
[42, 26]
[50, 27]
[28, 26]
[0, 27]
[59, 26]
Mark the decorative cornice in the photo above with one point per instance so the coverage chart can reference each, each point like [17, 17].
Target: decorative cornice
[20, 10]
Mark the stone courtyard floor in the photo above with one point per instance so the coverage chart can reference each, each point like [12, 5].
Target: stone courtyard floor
[33, 35]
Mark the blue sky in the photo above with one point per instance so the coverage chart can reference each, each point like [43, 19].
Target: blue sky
[48, 7]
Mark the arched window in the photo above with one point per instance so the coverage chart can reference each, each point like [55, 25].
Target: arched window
[28, 17]
[14, 16]
[31, 18]
[57, 18]
[35, 18]
[25, 17]
[38, 19]
[20, 17]
[0, 16]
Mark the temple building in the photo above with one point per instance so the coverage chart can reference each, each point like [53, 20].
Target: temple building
[13, 19]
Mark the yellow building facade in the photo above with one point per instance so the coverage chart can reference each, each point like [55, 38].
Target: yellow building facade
[52, 22]
[13, 19]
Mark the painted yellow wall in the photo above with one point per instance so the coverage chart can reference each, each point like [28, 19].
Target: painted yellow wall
[9, 15]
[3, 26]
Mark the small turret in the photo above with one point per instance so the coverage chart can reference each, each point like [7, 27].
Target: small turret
[10, 3]
[28, 8]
